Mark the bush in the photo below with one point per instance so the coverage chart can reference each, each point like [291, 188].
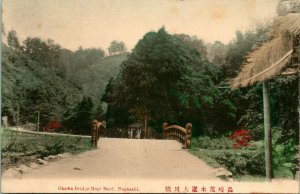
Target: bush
[56, 148]
[257, 132]
[41, 151]
[239, 162]
[284, 152]
[205, 142]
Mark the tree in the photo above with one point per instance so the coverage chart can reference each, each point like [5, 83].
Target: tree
[165, 79]
[99, 113]
[147, 76]
[117, 113]
[194, 42]
[116, 48]
[158, 61]
[82, 60]
[88, 57]
[46, 53]
[28, 88]
[36, 77]
[79, 117]
[242, 44]
[65, 62]
[216, 53]
[12, 40]
[3, 29]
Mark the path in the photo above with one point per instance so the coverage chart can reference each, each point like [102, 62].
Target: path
[118, 164]
[129, 158]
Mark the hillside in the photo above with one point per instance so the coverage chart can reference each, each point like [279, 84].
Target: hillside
[29, 86]
[95, 77]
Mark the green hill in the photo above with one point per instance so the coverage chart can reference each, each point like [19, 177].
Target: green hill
[30, 85]
[95, 77]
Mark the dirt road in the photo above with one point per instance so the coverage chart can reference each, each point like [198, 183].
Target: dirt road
[120, 164]
[129, 158]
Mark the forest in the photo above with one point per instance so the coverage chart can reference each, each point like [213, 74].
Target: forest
[62, 85]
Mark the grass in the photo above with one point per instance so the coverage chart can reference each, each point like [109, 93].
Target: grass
[205, 155]
[210, 161]
[249, 178]
[23, 143]
[283, 172]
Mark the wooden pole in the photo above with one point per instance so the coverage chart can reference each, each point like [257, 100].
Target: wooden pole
[298, 60]
[38, 121]
[146, 125]
[268, 132]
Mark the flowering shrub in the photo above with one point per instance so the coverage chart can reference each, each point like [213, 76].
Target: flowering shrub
[53, 124]
[241, 138]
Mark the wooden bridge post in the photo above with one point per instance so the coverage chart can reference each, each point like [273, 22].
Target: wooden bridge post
[188, 136]
[95, 133]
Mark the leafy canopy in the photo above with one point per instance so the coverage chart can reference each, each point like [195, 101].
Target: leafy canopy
[165, 79]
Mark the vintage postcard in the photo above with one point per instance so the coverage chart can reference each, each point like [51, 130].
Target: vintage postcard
[150, 96]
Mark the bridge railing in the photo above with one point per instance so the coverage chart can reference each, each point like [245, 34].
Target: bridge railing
[183, 135]
[97, 126]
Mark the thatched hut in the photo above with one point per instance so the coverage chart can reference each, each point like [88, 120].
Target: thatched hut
[275, 57]
[279, 56]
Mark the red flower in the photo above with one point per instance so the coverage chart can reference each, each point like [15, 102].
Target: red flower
[53, 124]
[241, 137]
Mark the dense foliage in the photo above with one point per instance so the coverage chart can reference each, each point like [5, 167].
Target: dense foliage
[79, 117]
[40, 76]
[249, 102]
[165, 79]
[249, 160]
[220, 152]
[28, 87]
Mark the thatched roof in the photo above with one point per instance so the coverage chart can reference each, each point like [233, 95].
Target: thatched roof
[272, 57]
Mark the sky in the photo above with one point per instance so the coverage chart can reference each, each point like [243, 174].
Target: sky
[95, 23]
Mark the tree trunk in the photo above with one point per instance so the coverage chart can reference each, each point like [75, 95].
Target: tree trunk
[268, 133]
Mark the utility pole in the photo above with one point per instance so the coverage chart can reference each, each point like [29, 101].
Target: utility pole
[18, 113]
[268, 132]
[298, 57]
[38, 121]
